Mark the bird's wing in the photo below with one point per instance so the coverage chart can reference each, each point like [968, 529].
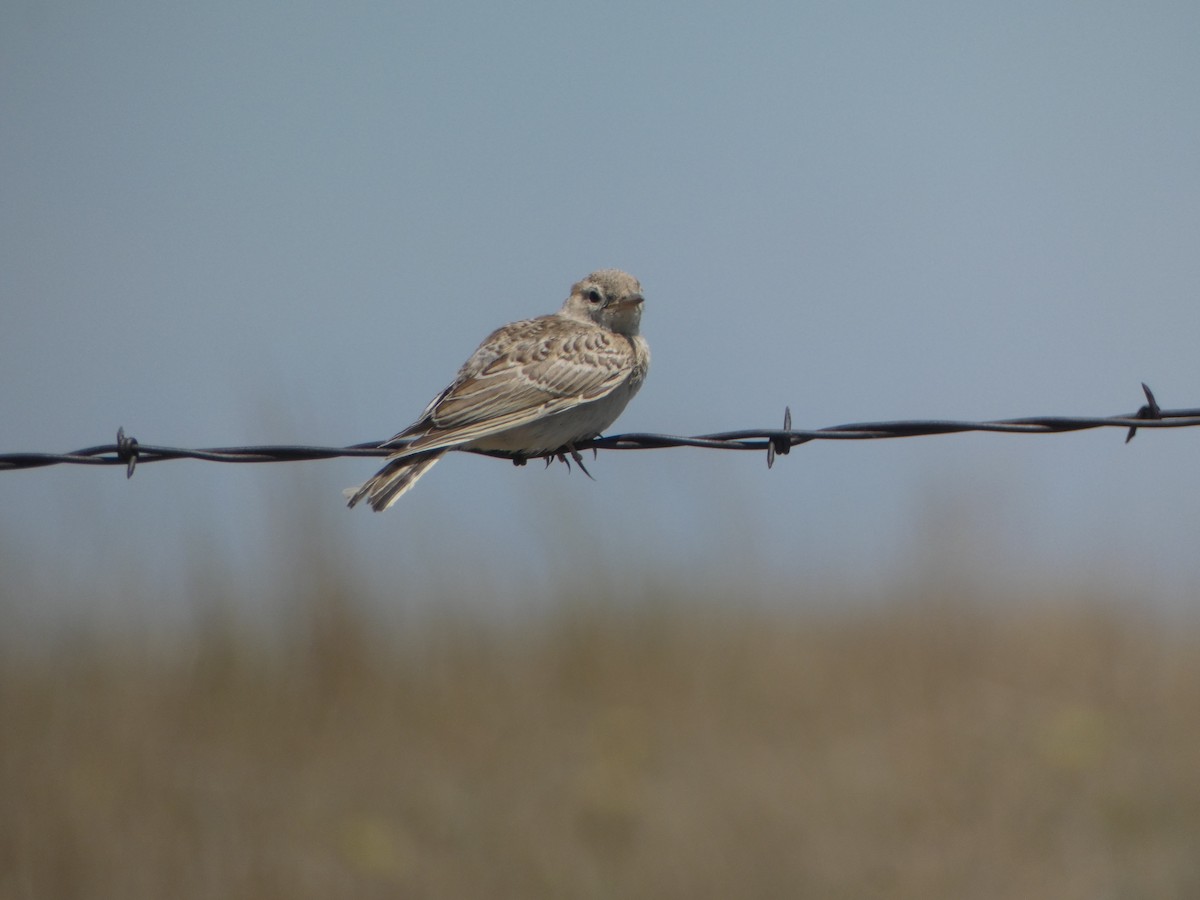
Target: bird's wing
[521, 373]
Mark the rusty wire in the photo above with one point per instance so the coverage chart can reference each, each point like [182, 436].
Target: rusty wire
[128, 451]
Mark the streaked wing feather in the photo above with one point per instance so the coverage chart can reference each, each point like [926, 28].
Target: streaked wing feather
[520, 374]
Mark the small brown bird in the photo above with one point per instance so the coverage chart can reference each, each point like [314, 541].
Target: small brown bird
[533, 387]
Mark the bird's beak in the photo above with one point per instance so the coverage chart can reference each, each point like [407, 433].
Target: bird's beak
[630, 302]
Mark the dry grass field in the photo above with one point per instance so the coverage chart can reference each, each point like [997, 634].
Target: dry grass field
[937, 748]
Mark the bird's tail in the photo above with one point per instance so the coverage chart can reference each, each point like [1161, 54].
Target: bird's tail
[391, 482]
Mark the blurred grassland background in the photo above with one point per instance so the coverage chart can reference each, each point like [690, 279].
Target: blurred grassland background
[959, 668]
[630, 736]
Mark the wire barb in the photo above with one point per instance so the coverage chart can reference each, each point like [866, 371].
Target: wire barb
[129, 452]
[781, 444]
[1150, 411]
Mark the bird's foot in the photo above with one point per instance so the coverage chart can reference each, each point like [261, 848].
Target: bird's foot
[561, 456]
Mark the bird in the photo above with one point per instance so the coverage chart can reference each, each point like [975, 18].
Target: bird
[535, 387]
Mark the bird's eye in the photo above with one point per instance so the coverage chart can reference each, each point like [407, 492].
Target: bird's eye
[594, 296]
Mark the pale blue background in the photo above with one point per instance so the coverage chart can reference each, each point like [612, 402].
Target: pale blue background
[229, 223]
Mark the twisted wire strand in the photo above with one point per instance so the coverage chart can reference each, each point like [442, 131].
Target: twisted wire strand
[129, 452]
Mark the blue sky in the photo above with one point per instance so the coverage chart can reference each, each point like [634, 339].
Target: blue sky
[238, 223]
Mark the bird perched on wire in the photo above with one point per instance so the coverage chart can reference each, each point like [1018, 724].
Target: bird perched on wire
[534, 387]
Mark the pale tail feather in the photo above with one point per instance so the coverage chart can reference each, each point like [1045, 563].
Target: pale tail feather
[391, 482]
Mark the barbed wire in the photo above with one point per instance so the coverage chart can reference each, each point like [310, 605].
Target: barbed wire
[129, 452]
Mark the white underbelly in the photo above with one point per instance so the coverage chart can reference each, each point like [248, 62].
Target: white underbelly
[558, 430]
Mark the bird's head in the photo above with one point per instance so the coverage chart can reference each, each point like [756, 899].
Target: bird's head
[610, 298]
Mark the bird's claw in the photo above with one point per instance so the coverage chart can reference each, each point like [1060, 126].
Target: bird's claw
[561, 456]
